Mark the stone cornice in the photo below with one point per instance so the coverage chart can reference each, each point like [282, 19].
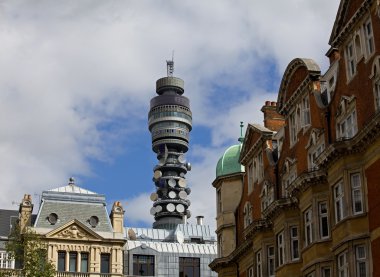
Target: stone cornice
[348, 28]
[306, 180]
[255, 227]
[241, 250]
[359, 143]
[278, 206]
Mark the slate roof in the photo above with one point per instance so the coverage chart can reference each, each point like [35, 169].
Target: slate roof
[7, 218]
[72, 202]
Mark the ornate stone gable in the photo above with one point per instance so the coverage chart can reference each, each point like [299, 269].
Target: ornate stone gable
[74, 230]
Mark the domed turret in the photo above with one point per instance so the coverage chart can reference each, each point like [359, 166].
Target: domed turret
[229, 162]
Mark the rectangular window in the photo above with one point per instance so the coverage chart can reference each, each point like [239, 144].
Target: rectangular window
[314, 154]
[259, 272]
[294, 243]
[292, 128]
[339, 202]
[280, 249]
[5, 260]
[377, 94]
[84, 262]
[61, 261]
[260, 167]
[143, 265]
[361, 261]
[324, 231]
[73, 261]
[347, 127]
[326, 272]
[219, 200]
[105, 259]
[342, 265]
[357, 196]
[250, 178]
[189, 267]
[369, 37]
[270, 261]
[305, 111]
[308, 227]
[350, 60]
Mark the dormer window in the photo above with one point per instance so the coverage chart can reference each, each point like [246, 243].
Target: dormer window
[306, 111]
[350, 60]
[315, 147]
[369, 37]
[346, 119]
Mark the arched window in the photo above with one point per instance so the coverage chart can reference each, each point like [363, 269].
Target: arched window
[376, 81]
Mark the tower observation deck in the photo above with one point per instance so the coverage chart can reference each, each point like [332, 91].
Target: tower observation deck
[170, 124]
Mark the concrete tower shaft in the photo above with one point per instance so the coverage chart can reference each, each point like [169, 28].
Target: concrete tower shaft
[170, 124]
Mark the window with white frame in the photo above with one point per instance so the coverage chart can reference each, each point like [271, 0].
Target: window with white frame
[342, 265]
[293, 128]
[315, 146]
[308, 221]
[326, 272]
[280, 249]
[6, 261]
[358, 47]
[361, 261]
[270, 261]
[311, 274]
[250, 178]
[259, 271]
[266, 196]
[247, 214]
[294, 243]
[356, 194]
[347, 127]
[339, 201]
[350, 60]
[368, 32]
[251, 272]
[288, 179]
[306, 111]
[324, 230]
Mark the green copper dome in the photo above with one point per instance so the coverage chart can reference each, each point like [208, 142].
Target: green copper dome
[229, 162]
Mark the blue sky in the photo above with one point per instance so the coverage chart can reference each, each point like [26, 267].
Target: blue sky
[77, 76]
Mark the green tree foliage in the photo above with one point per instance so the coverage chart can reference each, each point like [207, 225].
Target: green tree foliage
[30, 254]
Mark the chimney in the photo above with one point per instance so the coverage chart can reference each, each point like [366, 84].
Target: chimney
[272, 120]
[199, 219]
[25, 212]
[333, 54]
[184, 219]
[117, 217]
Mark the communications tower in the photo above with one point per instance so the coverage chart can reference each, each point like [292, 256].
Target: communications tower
[170, 124]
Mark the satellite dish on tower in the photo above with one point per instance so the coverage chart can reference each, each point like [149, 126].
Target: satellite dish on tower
[170, 207]
[181, 158]
[182, 182]
[172, 182]
[157, 174]
[172, 195]
[182, 194]
[153, 196]
[180, 208]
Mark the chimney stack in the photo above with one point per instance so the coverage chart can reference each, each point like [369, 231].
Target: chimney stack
[272, 119]
[200, 219]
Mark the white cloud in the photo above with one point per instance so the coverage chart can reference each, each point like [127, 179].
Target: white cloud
[68, 68]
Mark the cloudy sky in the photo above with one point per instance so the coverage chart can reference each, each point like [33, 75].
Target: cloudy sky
[76, 78]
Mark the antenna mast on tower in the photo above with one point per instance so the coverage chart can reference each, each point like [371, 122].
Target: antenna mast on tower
[170, 66]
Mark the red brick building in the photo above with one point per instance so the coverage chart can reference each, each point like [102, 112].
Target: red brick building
[309, 199]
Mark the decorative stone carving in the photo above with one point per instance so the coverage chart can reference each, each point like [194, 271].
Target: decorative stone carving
[72, 232]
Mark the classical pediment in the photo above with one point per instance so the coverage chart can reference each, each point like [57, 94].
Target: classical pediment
[74, 230]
